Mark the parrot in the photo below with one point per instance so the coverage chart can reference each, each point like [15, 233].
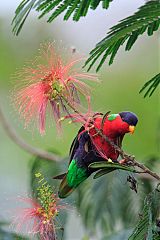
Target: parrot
[88, 147]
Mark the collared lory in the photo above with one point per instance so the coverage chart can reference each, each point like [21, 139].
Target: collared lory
[89, 147]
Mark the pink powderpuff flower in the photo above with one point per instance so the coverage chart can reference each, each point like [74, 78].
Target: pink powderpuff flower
[36, 220]
[39, 218]
[86, 119]
[54, 83]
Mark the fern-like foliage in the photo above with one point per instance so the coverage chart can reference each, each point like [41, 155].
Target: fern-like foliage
[77, 8]
[21, 14]
[146, 19]
[146, 226]
[151, 86]
[103, 203]
[107, 202]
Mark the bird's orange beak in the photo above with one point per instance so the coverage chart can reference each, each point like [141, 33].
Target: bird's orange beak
[131, 129]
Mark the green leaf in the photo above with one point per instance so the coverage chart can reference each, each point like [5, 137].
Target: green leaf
[21, 14]
[147, 18]
[79, 8]
[103, 172]
[60, 8]
[151, 210]
[71, 9]
[113, 166]
[151, 86]
[156, 236]
[103, 203]
[48, 169]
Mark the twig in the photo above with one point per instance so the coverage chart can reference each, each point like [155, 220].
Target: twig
[146, 170]
[129, 158]
[50, 156]
[20, 142]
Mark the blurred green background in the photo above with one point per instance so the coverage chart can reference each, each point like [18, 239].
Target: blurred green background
[118, 91]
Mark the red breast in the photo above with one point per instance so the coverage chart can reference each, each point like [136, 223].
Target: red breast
[112, 129]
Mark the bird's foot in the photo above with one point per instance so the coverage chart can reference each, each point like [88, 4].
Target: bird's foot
[122, 161]
[131, 157]
[110, 160]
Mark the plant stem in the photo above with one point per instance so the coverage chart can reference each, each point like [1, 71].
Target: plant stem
[20, 142]
[146, 170]
[129, 158]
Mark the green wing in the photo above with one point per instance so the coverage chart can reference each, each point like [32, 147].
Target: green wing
[73, 178]
[75, 174]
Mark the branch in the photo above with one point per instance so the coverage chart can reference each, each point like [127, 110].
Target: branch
[146, 170]
[129, 159]
[50, 156]
[20, 142]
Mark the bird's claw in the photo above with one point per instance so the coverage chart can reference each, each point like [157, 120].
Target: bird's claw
[122, 161]
[110, 160]
[132, 157]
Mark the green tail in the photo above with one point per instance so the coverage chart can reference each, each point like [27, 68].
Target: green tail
[73, 178]
[64, 189]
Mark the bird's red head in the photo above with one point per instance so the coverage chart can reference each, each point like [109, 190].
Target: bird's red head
[119, 124]
[114, 126]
